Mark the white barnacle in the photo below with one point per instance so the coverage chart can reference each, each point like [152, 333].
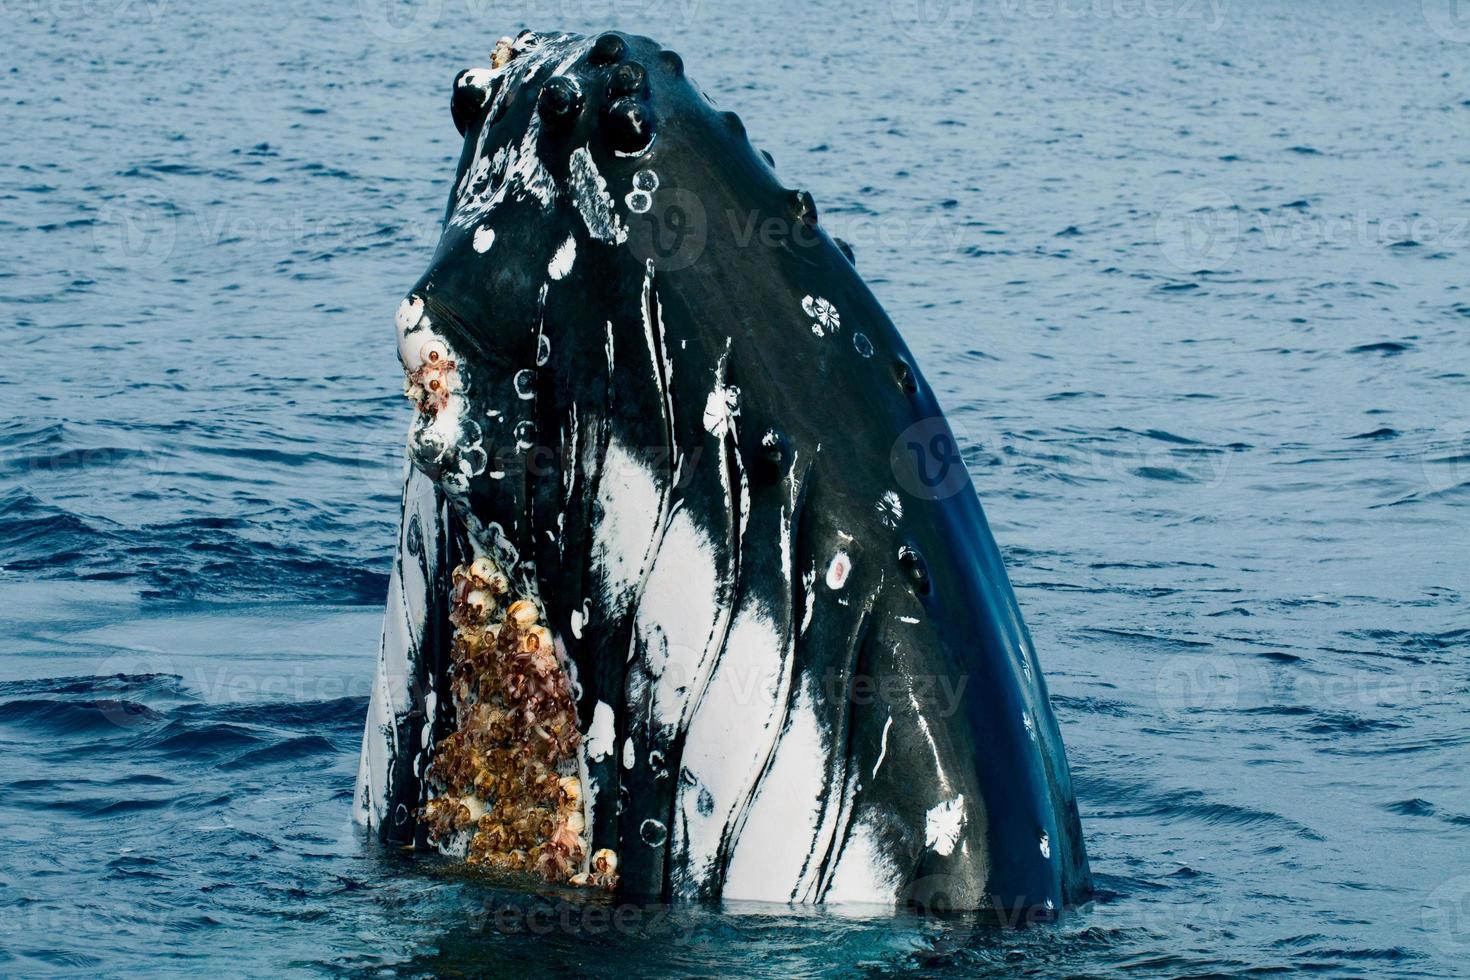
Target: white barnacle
[825, 318]
[524, 381]
[720, 410]
[890, 509]
[638, 202]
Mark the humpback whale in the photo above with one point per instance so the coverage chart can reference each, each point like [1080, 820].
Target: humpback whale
[693, 598]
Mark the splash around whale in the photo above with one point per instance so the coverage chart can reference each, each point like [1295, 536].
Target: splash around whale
[693, 598]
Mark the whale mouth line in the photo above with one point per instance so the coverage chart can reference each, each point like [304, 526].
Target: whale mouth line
[504, 788]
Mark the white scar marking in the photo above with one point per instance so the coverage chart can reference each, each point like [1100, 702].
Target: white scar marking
[838, 571]
[561, 262]
[720, 408]
[600, 733]
[484, 238]
[929, 735]
[594, 203]
[883, 745]
[942, 825]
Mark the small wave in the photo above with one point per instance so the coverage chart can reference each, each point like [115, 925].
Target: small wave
[58, 717]
[289, 750]
[1344, 723]
[1165, 474]
[1388, 348]
[1411, 808]
[1147, 637]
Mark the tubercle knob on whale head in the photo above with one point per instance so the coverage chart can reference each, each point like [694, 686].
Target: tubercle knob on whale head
[630, 78]
[470, 92]
[560, 100]
[628, 125]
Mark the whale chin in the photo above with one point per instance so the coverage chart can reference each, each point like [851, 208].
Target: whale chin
[693, 598]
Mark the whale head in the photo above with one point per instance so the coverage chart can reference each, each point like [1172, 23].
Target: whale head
[694, 597]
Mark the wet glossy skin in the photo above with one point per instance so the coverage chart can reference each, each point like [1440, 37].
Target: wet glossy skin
[681, 423]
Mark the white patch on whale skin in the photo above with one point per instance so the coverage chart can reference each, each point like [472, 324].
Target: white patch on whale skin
[632, 506]
[593, 202]
[722, 405]
[629, 756]
[561, 262]
[404, 622]
[943, 824]
[729, 740]
[519, 168]
[865, 872]
[809, 581]
[477, 78]
[1045, 843]
[484, 238]
[413, 329]
[838, 571]
[785, 823]
[600, 734]
[678, 613]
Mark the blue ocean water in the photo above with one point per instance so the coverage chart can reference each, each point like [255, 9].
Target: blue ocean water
[1189, 276]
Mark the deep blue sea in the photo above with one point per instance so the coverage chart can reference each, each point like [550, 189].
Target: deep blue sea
[1192, 278]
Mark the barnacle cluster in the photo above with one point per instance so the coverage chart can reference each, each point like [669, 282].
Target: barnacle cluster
[504, 52]
[506, 779]
[437, 377]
